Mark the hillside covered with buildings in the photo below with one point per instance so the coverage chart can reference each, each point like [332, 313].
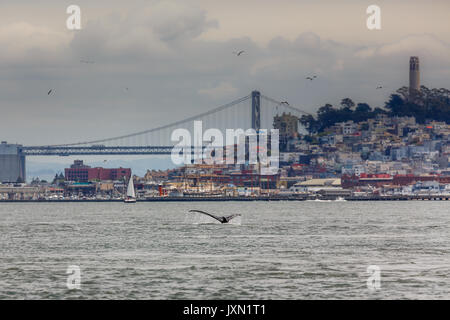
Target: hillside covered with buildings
[401, 148]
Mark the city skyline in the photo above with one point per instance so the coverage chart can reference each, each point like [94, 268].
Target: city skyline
[414, 87]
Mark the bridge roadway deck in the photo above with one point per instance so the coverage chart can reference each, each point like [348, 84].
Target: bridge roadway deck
[95, 150]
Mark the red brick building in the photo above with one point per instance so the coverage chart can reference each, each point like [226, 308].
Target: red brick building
[82, 173]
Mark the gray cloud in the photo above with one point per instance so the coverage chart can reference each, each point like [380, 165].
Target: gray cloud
[172, 70]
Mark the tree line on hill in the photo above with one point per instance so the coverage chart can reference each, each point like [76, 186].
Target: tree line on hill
[427, 104]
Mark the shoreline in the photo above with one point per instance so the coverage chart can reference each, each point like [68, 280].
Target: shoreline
[247, 199]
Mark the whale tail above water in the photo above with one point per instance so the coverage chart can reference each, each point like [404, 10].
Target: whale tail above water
[221, 219]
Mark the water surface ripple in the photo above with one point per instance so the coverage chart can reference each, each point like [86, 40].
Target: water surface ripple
[277, 250]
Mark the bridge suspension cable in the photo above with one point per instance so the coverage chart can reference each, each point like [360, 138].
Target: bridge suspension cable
[227, 116]
[287, 106]
[177, 123]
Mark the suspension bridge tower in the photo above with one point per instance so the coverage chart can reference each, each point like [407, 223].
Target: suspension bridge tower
[256, 110]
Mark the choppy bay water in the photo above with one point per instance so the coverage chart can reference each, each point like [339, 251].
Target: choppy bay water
[277, 250]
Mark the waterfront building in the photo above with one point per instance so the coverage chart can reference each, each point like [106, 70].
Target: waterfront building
[80, 172]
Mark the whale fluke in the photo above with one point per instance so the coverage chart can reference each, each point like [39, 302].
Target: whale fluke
[221, 219]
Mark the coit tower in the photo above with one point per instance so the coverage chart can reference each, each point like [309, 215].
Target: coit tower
[414, 76]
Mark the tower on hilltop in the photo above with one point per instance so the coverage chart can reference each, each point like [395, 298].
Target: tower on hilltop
[414, 76]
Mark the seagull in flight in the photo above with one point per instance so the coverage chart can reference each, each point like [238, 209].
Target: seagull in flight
[379, 87]
[50, 91]
[285, 102]
[311, 78]
[220, 219]
[238, 53]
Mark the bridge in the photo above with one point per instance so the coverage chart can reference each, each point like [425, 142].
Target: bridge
[253, 111]
[65, 151]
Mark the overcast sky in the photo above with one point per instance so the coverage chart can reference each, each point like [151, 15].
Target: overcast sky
[176, 59]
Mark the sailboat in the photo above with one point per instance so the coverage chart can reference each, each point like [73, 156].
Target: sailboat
[131, 195]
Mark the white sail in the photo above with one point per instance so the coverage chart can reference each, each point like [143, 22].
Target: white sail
[130, 189]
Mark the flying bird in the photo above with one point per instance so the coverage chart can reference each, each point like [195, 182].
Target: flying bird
[220, 219]
[379, 87]
[311, 78]
[238, 53]
[285, 102]
[50, 91]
